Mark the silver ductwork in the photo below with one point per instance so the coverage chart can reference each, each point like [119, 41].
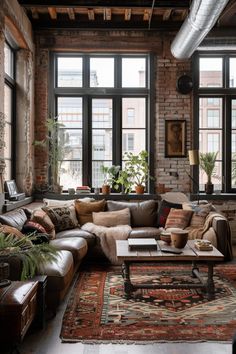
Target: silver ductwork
[202, 17]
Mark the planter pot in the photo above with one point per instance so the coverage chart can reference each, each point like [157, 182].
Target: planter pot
[209, 188]
[106, 189]
[139, 189]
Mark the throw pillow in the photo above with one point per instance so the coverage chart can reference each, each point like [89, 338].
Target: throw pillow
[142, 213]
[164, 210]
[43, 219]
[58, 203]
[84, 210]
[31, 226]
[112, 218]
[63, 218]
[200, 212]
[178, 218]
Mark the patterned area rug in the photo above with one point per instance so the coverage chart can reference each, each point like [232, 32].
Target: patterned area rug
[98, 312]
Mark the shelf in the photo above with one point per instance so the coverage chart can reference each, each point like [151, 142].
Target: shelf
[8, 206]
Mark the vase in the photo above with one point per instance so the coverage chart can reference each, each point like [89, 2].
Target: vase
[106, 189]
[139, 189]
[209, 187]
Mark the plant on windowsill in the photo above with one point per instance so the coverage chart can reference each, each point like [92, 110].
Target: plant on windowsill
[207, 164]
[55, 143]
[110, 173]
[123, 182]
[32, 255]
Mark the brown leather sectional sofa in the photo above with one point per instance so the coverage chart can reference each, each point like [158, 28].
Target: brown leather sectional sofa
[75, 244]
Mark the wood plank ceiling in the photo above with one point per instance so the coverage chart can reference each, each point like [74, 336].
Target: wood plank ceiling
[116, 14]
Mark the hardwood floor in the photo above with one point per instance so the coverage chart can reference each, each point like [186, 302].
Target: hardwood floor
[47, 341]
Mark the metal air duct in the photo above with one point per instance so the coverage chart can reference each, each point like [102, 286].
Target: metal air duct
[202, 17]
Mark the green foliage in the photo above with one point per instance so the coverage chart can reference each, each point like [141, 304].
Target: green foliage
[32, 256]
[123, 180]
[110, 173]
[207, 163]
[137, 167]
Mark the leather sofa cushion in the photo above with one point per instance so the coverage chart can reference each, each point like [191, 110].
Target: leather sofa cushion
[15, 218]
[84, 210]
[142, 213]
[59, 272]
[145, 232]
[76, 245]
[112, 218]
[77, 232]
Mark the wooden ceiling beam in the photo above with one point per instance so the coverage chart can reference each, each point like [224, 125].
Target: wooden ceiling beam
[227, 12]
[147, 15]
[128, 14]
[91, 15]
[71, 14]
[52, 12]
[167, 14]
[107, 14]
[34, 13]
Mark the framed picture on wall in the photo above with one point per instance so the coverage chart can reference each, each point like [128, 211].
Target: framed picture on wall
[175, 138]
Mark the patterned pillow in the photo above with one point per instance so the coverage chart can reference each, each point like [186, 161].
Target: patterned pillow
[200, 212]
[43, 219]
[32, 226]
[164, 212]
[63, 218]
[178, 218]
[84, 210]
[112, 218]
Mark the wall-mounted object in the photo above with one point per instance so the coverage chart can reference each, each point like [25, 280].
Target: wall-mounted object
[175, 138]
[184, 84]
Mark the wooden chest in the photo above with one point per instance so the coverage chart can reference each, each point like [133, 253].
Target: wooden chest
[17, 310]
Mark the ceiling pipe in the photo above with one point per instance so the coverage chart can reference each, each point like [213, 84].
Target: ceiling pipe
[202, 17]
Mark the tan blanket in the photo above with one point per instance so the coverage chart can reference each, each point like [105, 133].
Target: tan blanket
[108, 237]
[198, 232]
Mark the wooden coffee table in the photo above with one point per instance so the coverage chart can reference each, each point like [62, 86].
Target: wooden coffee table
[189, 253]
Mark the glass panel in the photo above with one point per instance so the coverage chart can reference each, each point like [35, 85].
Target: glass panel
[102, 144]
[133, 140]
[133, 72]
[133, 112]
[233, 182]
[8, 141]
[102, 72]
[71, 174]
[210, 72]
[211, 141]
[8, 103]
[8, 61]
[216, 178]
[72, 140]
[232, 72]
[8, 170]
[102, 113]
[70, 72]
[210, 118]
[70, 111]
[97, 175]
[233, 114]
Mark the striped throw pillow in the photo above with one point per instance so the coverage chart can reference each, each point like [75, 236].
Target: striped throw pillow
[178, 218]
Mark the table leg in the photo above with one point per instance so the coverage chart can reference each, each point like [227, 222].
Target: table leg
[194, 268]
[128, 288]
[210, 282]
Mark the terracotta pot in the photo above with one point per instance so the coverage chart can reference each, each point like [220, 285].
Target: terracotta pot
[139, 189]
[209, 188]
[106, 189]
[179, 238]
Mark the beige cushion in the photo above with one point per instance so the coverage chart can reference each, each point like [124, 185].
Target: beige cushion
[200, 213]
[112, 218]
[61, 203]
[63, 218]
[178, 218]
[43, 219]
[84, 210]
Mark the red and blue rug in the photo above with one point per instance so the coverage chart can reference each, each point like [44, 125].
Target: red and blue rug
[98, 311]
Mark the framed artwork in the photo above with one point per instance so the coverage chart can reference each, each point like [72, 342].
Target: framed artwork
[175, 138]
[11, 188]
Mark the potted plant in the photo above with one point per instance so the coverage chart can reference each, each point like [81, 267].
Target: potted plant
[207, 164]
[109, 172]
[55, 143]
[124, 181]
[31, 255]
[138, 169]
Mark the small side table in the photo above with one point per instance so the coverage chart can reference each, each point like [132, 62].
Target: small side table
[18, 303]
[39, 321]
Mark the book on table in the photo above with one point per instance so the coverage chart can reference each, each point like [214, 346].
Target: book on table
[142, 244]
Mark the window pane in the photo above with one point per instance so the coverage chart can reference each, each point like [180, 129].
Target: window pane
[210, 118]
[133, 72]
[233, 114]
[70, 111]
[102, 72]
[133, 140]
[133, 112]
[8, 61]
[102, 144]
[70, 72]
[210, 72]
[71, 174]
[102, 113]
[72, 142]
[211, 141]
[8, 170]
[233, 144]
[8, 103]
[232, 72]
[97, 175]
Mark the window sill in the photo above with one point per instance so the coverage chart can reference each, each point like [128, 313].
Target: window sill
[112, 196]
[8, 206]
[214, 196]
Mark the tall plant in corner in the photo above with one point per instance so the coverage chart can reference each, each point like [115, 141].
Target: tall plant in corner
[56, 143]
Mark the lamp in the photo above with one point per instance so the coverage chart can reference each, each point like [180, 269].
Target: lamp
[194, 161]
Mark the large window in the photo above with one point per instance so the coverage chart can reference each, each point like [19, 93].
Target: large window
[9, 95]
[216, 116]
[103, 103]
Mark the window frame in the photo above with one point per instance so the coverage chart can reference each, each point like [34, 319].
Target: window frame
[116, 93]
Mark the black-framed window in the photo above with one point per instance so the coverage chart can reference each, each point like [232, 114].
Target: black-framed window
[105, 104]
[215, 115]
[9, 110]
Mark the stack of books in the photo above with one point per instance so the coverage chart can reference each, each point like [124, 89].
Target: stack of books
[203, 245]
[83, 190]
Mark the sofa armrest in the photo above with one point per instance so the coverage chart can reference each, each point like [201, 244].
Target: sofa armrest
[223, 234]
